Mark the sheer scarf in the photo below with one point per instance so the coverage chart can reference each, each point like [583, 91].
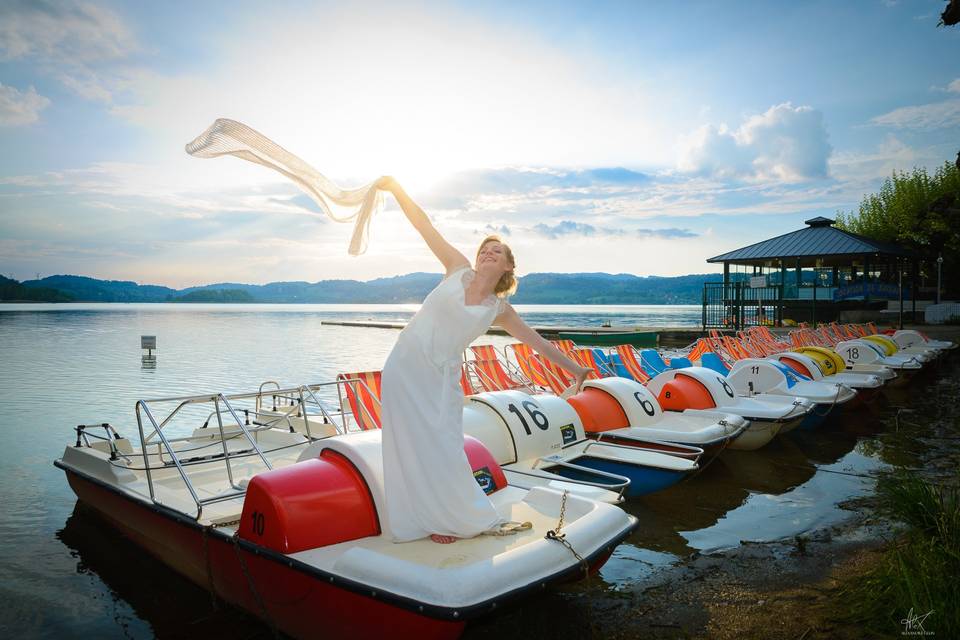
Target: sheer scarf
[229, 137]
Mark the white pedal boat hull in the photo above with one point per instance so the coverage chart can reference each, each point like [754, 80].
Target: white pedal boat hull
[625, 411]
[542, 437]
[701, 388]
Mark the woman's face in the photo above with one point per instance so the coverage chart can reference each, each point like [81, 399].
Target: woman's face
[493, 256]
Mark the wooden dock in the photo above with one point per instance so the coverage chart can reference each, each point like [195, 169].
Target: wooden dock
[669, 336]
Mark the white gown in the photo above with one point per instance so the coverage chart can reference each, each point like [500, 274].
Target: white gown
[429, 485]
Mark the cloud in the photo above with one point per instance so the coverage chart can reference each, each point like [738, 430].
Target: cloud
[785, 143]
[502, 230]
[301, 201]
[88, 85]
[951, 87]
[861, 170]
[512, 179]
[925, 117]
[62, 32]
[565, 228]
[666, 233]
[198, 227]
[571, 228]
[484, 188]
[75, 42]
[18, 108]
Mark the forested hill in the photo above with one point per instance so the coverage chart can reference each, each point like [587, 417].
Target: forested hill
[13, 291]
[535, 288]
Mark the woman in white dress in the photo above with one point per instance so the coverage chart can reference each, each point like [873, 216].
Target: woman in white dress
[430, 489]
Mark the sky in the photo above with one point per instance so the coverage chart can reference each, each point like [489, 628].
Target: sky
[634, 137]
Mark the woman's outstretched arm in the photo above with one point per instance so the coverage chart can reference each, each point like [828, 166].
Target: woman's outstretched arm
[446, 253]
[510, 320]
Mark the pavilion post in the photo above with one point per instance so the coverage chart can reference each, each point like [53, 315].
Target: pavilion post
[866, 278]
[783, 283]
[727, 294]
[914, 285]
[900, 288]
[780, 308]
[813, 303]
[939, 264]
[739, 306]
[704, 307]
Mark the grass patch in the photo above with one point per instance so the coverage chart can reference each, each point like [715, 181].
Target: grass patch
[922, 570]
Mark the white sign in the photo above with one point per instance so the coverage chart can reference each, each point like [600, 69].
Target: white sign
[758, 281]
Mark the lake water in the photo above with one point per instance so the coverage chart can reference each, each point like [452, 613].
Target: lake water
[65, 573]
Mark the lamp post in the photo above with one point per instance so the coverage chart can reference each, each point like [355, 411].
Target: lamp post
[939, 264]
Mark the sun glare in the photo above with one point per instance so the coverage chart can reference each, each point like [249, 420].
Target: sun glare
[412, 94]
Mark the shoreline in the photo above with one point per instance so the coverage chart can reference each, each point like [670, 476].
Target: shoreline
[785, 589]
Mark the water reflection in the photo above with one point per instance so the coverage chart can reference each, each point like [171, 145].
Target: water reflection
[143, 596]
[695, 504]
[751, 495]
[826, 445]
[783, 466]
[652, 315]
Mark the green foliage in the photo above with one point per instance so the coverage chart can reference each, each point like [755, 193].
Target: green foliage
[916, 209]
[929, 509]
[13, 291]
[920, 573]
[911, 208]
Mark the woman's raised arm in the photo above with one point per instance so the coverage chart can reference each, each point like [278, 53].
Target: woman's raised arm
[446, 253]
[510, 320]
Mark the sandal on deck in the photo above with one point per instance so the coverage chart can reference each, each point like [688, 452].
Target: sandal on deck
[509, 529]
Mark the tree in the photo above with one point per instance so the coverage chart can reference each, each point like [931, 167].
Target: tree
[951, 14]
[917, 210]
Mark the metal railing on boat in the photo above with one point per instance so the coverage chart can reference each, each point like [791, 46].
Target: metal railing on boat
[304, 395]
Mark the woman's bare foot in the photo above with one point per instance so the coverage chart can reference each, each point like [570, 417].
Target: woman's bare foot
[439, 539]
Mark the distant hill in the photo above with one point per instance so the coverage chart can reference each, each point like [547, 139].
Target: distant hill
[412, 287]
[604, 288]
[13, 291]
[215, 295]
[84, 289]
[535, 288]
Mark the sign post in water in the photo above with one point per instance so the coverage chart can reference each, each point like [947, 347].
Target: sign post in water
[148, 343]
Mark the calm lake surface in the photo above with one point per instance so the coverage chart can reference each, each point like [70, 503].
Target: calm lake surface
[66, 573]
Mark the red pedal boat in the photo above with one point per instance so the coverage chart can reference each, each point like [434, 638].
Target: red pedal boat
[292, 528]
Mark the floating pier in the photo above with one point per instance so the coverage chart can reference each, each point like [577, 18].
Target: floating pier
[669, 336]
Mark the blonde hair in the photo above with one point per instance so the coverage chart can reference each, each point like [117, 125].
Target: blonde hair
[507, 285]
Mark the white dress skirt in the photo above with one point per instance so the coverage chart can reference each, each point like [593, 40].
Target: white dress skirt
[429, 485]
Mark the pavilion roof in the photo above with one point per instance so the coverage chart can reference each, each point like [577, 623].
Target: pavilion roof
[820, 239]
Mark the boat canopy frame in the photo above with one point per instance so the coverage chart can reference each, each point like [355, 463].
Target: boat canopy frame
[304, 394]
